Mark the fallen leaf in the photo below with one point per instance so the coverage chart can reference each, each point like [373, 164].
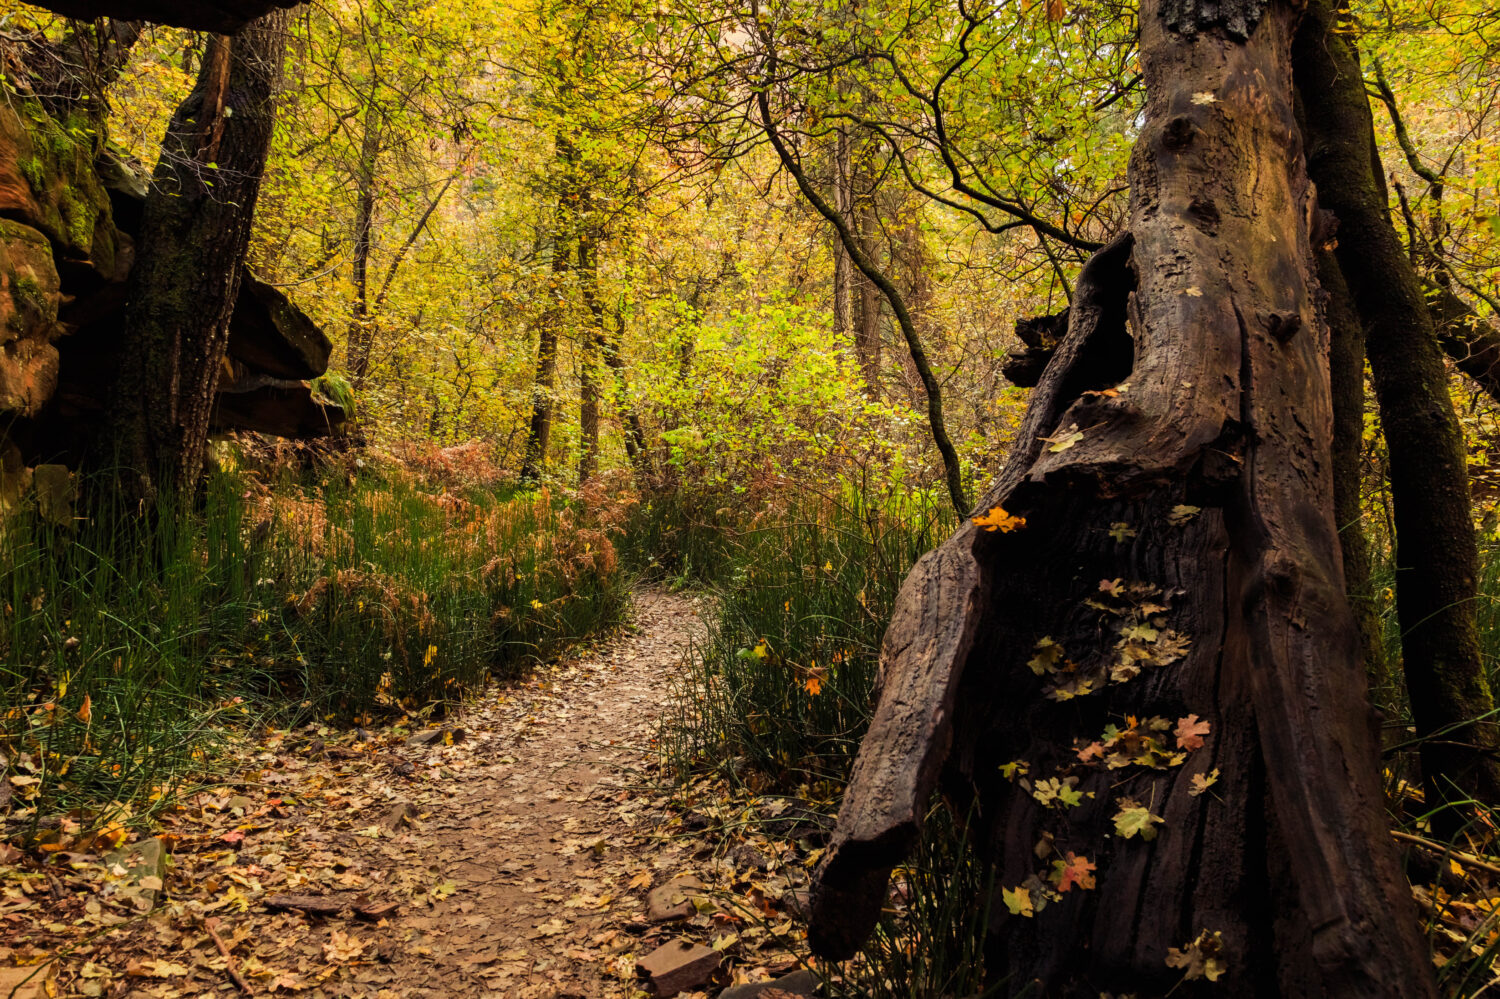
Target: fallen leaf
[1190, 732]
[1073, 870]
[998, 520]
[342, 947]
[1134, 818]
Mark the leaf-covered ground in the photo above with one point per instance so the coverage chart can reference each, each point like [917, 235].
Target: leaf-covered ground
[511, 856]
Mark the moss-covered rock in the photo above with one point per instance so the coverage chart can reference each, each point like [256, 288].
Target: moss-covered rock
[48, 181]
[29, 286]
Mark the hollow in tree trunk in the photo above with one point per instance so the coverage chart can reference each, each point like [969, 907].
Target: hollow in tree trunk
[1179, 561]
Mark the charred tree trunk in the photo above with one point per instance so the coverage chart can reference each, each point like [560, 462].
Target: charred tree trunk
[194, 238]
[1436, 551]
[1179, 560]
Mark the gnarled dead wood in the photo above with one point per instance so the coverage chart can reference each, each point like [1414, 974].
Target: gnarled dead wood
[1177, 447]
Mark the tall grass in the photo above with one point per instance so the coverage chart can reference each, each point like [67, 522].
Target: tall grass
[125, 639]
[779, 690]
[929, 943]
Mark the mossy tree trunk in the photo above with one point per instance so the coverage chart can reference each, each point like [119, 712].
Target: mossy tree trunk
[194, 238]
[1436, 551]
[1179, 560]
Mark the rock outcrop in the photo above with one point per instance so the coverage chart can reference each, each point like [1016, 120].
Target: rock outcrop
[224, 16]
[69, 214]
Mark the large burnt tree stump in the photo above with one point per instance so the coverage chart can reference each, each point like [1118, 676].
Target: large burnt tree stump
[1167, 630]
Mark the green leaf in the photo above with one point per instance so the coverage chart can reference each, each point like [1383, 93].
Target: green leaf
[1134, 818]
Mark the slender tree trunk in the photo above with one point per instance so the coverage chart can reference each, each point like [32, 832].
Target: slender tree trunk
[952, 470]
[591, 357]
[543, 393]
[630, 420]
[867, 297]
[1179, 560]
[843, 269]
[194, 238]
[1436, 551]
[361, 337]
[1346, 363]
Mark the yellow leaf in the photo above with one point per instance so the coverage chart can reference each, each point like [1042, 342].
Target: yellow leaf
[998, 520]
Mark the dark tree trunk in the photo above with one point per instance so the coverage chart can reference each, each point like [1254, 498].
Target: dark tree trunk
[1174, 470]
[630, 420]
[194, 237]
[1346, 364]
[1436, 552]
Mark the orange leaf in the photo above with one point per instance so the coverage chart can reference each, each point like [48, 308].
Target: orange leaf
[1190, 732]
[998, 520]
[1075, 870]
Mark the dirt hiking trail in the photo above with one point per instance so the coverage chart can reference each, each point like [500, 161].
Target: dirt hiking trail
[510, 854]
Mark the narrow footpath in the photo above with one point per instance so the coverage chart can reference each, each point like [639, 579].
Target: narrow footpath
[525, 850]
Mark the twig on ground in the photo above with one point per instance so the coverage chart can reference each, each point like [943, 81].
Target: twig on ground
[211, 924]
[1443, 849]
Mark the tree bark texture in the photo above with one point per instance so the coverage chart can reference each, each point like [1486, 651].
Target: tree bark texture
[195, 234]
[1436, 551]
[1176, 455]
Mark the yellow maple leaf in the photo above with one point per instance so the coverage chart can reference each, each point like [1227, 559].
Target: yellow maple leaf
[998, 520]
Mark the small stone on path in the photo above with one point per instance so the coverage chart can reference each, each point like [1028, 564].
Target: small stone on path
[679, 965]
[673, 900]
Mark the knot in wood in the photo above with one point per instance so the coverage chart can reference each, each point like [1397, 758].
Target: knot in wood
[1283, 327]
[1178, 132]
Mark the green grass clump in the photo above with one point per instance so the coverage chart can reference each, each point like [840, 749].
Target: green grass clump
[127, 641]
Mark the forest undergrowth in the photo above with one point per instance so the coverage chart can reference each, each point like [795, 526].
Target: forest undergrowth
[135, 648]
[143, 653]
